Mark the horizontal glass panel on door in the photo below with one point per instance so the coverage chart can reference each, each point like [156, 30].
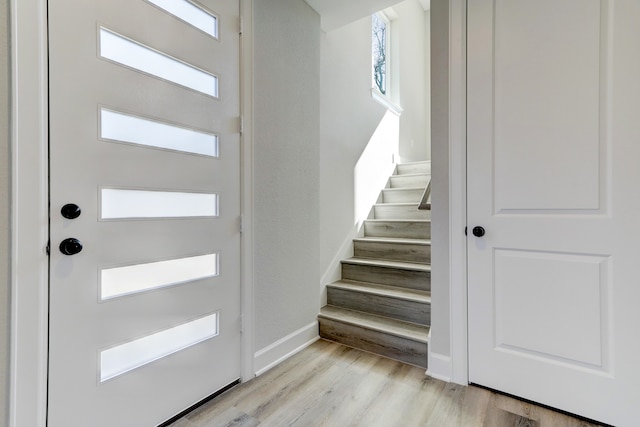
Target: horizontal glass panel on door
[131, 279]
[118, 126]
[126, 357]
[132, 54]
[123, 204]
[190, 13]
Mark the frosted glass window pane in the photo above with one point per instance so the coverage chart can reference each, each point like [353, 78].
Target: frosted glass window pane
[156, 204]
[135, 55]
[131, 279]
[191, 14]
[123, 358]
[127, 128]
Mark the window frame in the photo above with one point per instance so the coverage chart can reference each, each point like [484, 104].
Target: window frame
[384, 99]
[387, 51]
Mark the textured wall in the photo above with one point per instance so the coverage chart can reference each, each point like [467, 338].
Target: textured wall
[286, 170]
[440, 279]
[4, 211]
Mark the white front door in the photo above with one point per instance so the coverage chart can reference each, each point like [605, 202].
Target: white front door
[553, 166]
[144, 162]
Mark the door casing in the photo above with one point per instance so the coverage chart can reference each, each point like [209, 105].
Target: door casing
[30, 211]
[448, 356]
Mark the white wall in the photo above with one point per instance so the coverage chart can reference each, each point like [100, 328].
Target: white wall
[348, 120]
[4, 213]
[286, 176]
[351, 123]
[427, 81]
[410, 55]
[336, 13]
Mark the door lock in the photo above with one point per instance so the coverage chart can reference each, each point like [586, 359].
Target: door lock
[70, 246]
[71, 211]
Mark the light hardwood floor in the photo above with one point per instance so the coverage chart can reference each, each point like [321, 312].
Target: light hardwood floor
[331, 385]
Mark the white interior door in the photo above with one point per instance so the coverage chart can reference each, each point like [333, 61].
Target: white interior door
[553, 154]
[144, 119]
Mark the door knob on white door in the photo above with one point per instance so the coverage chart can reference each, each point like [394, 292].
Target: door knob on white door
[478, 231]
[70, 246]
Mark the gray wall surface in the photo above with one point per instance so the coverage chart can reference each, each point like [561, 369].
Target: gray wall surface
[286, 168]
[440, 279]
[5, 203]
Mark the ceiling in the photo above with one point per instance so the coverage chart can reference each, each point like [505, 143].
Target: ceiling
[336, 13]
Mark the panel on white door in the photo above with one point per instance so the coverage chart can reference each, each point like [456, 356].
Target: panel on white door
[535, 289]
[145, 319]
[552, 153]
[547, 112]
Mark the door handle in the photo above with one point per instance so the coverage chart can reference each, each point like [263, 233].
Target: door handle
[478, 231]
[70, 246]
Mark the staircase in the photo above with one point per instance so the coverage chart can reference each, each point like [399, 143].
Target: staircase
[382, 304]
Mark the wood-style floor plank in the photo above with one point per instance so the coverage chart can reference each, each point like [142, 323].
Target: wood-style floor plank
[331, 385]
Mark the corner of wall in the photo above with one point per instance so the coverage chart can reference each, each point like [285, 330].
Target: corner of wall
[439, 366]
[284, 348]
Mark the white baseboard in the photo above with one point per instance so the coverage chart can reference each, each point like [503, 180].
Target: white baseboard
[284, 348]
[439, 367]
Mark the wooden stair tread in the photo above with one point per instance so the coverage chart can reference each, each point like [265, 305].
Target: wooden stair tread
[392, 189]
[385, 325]
[397, 204]
[407, 294]
[398, 220]
[398, 240]
[371, 262]
[404, 175]
[417, 162]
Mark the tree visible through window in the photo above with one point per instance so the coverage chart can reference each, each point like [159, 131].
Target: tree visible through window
[379, 49]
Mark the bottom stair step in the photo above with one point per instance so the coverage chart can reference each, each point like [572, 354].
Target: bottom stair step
[392, 338]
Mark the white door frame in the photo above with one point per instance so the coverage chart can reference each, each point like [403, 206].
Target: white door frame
[448, 358]
[30, 211]
[458, 190]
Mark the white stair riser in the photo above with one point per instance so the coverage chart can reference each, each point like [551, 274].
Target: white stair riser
[403, 181]
[403, 229]
[408, 195]
[411, 279]
[393, 251]
[409, 168]
[400, 212]
[391, 346]
[381, 305]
